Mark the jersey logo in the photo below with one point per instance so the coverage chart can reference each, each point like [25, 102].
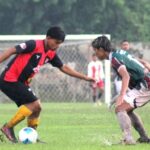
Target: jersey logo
[37, 56]
[23, 45]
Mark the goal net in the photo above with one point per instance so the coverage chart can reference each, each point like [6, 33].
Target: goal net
[51, 85]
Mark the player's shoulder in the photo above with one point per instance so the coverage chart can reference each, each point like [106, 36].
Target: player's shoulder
[119, 53]
[31, 44]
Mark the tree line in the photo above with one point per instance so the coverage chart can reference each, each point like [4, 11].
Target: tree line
[123, 19]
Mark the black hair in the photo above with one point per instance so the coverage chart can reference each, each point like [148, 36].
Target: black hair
[102, 42]
[125, 40]
[56, 33]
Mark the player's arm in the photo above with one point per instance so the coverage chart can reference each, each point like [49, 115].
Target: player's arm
[125, 82]
[7, 53]
[56, 62]
[67, 70]
[145, 63]
[21, 48]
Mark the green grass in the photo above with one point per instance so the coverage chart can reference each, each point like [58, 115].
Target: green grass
[75, 126]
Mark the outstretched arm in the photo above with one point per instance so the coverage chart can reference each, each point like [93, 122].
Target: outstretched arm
[67, 70]
[7, 53]
[145, 63]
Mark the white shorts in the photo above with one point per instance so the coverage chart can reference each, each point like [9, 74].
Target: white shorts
[137, 98]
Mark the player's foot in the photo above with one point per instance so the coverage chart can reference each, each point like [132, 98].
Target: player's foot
[129, 142]
[143, 140]
[40, 141]
[9, 133]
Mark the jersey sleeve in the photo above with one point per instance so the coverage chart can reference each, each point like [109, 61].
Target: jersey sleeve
[26, 47]
[56, 62]
[116, 63]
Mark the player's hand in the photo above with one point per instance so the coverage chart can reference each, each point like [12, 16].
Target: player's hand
[90, 79]
[119, 100]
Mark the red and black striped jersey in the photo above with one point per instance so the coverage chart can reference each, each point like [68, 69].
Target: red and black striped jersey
[30, 56]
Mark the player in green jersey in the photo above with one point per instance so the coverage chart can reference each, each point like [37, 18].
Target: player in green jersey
[135, 90]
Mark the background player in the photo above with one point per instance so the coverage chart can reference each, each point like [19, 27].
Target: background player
[95, 70]
[15, 79]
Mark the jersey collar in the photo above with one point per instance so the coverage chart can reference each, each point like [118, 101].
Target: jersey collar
[110, 56]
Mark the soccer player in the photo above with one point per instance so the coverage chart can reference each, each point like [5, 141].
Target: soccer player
[135, 91]
[95, 70]
[125, 45]
[15, 79]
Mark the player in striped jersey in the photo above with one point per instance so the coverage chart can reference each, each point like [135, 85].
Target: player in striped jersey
[95, 70]
[135, 90]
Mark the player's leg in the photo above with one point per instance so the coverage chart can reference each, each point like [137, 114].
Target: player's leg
[133, 99]
[138, 125]
[33, 120]
[23, 112]
[125, 122]
[101, 91]
[21, 95]
[100, 86]
[94, 94]
[142, 97]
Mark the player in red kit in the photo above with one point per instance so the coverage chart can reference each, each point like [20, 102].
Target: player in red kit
[95, 70]
[15, 79]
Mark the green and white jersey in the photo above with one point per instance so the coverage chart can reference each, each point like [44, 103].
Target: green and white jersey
[133, 66]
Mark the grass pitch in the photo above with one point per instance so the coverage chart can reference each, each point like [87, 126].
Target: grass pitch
[75, 126]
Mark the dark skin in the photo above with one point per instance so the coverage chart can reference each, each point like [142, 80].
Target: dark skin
[52, 44]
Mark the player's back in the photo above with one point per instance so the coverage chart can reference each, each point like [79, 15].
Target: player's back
[133, 66]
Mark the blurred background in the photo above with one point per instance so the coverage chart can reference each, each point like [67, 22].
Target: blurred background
[120, 18]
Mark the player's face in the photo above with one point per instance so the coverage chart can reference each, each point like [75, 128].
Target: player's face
[94, 58]
[52, 43]
[100, 53]
[125, 46]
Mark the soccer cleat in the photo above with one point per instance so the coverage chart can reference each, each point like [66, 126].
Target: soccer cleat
[143, 140]
[9, 133]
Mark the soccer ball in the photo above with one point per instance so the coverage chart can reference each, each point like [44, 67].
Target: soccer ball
[28, 135]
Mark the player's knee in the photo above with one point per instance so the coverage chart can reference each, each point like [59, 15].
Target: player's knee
[123, 107]
[117, 109]
[38, 108]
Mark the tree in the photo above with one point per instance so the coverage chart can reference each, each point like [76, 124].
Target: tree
[120, 18]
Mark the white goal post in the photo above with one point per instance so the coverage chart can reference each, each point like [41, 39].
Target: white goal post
[73, 38]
